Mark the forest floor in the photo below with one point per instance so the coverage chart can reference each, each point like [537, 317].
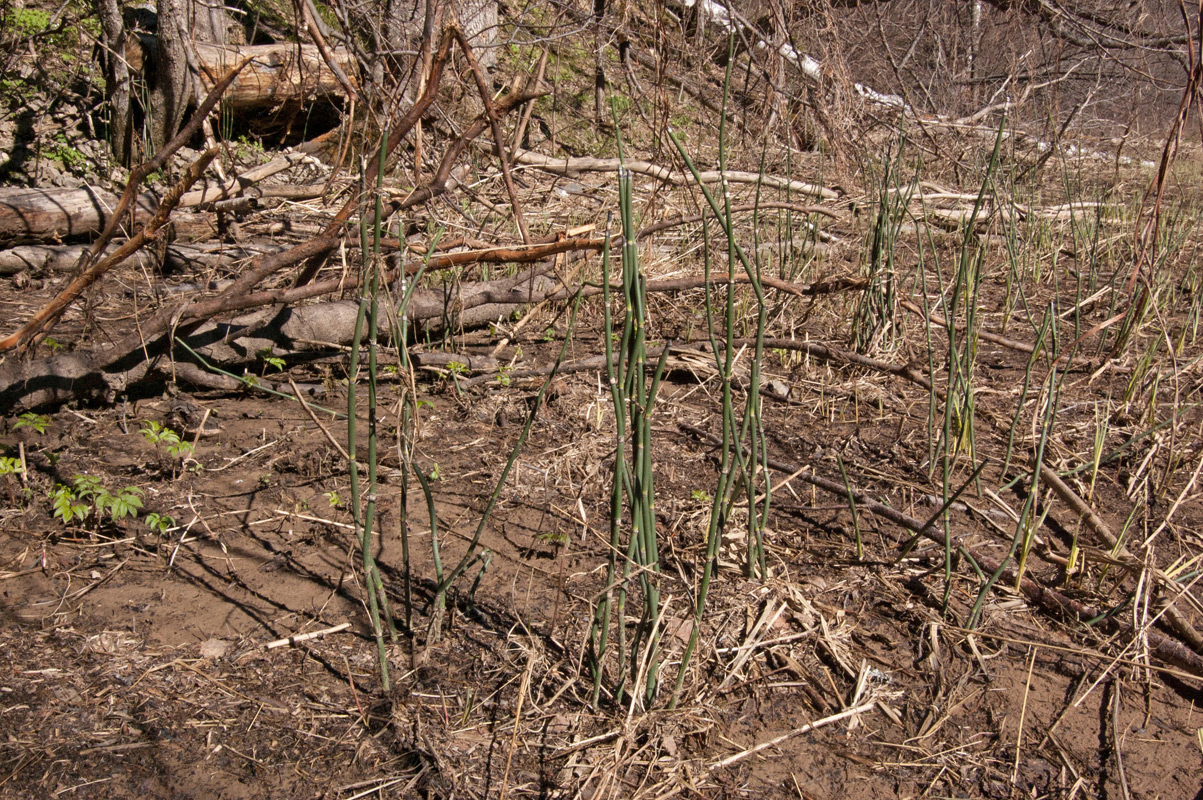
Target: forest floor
[139, 657]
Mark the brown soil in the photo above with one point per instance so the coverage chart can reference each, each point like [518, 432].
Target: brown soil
[139, 666]
[134, 663]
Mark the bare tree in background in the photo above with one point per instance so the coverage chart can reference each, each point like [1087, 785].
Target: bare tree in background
[1051, 59]
[384, 35]
[161, 43]
[117, 79]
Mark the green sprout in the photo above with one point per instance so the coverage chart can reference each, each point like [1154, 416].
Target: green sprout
[66, 506]
[159, 523]
[39, 422]
[88, 497]
[267, 356]
[162, 436]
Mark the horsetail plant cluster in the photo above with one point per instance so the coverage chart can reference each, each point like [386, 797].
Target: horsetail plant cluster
[633, 488]
[742, 458]
[364, 519]
[742, 454]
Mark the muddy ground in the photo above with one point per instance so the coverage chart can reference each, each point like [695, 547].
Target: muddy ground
[138, 659]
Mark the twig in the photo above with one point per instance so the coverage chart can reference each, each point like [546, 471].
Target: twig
[808, 727]
[1023, 711]
[308, 14]
[495, 126]
[305, 637]
[522, 690]
[330, 438]
[1116, 739]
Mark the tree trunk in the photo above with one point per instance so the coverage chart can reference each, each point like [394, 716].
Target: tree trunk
[171, 88]
[405, 24]
[175, 83]
[478, 21]
[117, 80]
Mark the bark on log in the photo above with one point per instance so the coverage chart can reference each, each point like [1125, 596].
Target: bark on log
[100, 375]
[39, 215]
[279, 73]
[42, 258]
[571, 166]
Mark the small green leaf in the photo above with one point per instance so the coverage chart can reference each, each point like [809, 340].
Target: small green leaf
[39, 422]
[159, 522]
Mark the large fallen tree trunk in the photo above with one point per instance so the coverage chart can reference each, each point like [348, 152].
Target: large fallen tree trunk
[277, 74]
[101, 374]
[318, 329]
[179, 257]
[39, 215]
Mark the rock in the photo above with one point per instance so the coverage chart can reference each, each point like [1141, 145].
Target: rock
[49, 172]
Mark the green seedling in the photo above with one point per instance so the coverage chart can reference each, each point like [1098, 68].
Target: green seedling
[12, 465]
[269, 358]
[66, 506]
[40, 423]
[126, 503]
[334, 499]
[87, 497]
[159, 523]
[162, 436]
[62, 151]
[554, 538]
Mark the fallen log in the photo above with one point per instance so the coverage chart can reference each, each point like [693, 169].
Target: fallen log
[39, 215]
[41, 258]
[572, 166]
[101, 374]
[286, 328]
[277, 74]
